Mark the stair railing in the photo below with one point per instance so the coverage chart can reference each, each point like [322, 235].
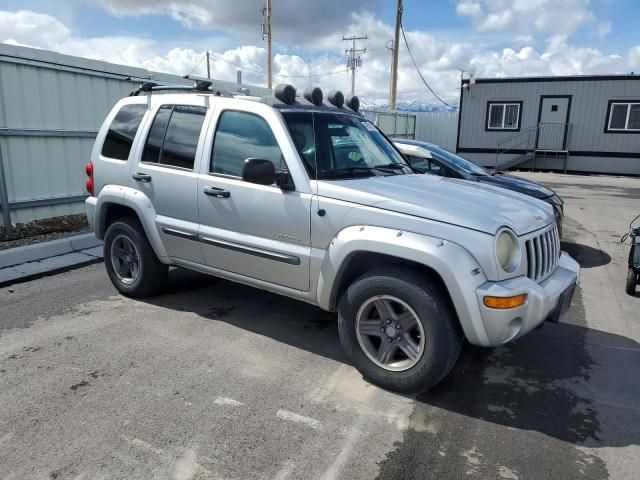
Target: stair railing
[526, 137]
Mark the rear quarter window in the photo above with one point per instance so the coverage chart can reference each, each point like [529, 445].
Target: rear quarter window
[173, 137]
[122, 131]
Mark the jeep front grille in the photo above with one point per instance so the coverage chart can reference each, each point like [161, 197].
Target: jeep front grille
[543, 251]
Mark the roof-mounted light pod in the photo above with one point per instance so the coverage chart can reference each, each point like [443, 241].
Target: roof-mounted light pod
[336, 98]
[353, 103]
[314, 95]
[202, 85]
[285, 93]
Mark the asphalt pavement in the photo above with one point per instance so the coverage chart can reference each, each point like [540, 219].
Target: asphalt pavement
[214, 380]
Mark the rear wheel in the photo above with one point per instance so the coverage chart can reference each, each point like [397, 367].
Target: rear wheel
[632, 279]
[130, 261]
[399, 330]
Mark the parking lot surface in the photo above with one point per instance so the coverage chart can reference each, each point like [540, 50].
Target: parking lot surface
[215, 380]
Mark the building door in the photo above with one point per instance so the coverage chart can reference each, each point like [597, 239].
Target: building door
[553, 122]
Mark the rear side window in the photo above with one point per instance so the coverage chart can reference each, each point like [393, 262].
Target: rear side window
[173, 137]
[240, 136]
[122, 131]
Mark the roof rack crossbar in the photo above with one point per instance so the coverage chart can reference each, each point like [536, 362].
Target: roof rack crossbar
[202, 86]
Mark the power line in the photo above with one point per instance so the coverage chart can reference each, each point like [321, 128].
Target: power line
[197, 65]
[241, 67]
[236, 65]
[418, 70]
[342, 70]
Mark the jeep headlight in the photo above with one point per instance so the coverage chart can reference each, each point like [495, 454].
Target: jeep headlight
[508, 251]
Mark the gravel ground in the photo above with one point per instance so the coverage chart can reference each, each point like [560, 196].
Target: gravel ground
[44, 230]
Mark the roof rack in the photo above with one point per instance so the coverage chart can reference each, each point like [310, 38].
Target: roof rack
[200, 86]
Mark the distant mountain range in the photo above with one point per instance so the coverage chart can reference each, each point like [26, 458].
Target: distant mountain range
[410, 107]
[423, 107]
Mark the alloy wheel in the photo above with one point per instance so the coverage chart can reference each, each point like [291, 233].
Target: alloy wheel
[390, 333]
[125, 259]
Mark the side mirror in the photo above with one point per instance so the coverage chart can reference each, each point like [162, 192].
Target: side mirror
[262, 172]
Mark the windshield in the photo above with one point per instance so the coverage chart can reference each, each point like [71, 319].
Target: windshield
[457, 161]
[338, 146]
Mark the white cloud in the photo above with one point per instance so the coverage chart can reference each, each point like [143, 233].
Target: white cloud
[26, 27]
[634, 59]
[470, 9]
[604, 29]
[292, 19]
[437, 57]
[527, 16]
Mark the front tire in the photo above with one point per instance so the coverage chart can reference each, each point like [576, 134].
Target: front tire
[399, 330]
[131, 263]
[632, 278]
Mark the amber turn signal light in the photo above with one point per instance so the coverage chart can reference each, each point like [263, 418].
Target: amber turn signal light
[504, 303]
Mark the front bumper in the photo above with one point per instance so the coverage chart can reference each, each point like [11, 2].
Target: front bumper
[546, 300]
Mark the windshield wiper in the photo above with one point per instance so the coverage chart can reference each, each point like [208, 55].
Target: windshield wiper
[387, 168]
[393, 166]
[345, 170]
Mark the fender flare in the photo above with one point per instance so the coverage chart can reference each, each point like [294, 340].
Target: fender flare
[458, 269]
[140, 204]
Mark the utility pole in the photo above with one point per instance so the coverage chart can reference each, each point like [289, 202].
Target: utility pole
[394, 61]
[389, 47]
[208, 66]
[266, 32]
[354, 58]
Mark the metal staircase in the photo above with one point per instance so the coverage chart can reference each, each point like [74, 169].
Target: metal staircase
[545, 140]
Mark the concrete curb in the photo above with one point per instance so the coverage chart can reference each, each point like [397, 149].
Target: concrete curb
[26, 263]
[52, 248]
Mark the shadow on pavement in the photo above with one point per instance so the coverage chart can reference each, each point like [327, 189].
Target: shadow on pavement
[587, 257]
[540, 382]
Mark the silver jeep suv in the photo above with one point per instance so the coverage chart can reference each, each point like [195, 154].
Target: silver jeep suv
[302, 196]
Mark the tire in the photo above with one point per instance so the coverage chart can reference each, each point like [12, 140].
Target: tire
[632, 278]
[149, 277]
[436, 321]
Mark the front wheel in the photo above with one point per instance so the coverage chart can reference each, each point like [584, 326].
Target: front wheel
[130, 261]
[632, 278]
[399, 330]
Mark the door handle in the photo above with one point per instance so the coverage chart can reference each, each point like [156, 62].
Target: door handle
[141, 177]
[216, 192]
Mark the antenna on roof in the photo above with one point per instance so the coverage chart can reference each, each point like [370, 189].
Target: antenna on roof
[472, 74]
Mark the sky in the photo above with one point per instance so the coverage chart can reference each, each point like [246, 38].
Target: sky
[500, 38]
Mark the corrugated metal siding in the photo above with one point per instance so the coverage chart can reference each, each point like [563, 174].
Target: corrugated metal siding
[588, 114]
[393, 124]
[439, 128]
[46, 90]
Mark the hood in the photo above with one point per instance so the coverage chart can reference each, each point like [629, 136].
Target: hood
[517, 184]
[459, 202]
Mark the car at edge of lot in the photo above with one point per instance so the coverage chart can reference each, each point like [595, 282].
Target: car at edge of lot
[432, 159]
[306, 198]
